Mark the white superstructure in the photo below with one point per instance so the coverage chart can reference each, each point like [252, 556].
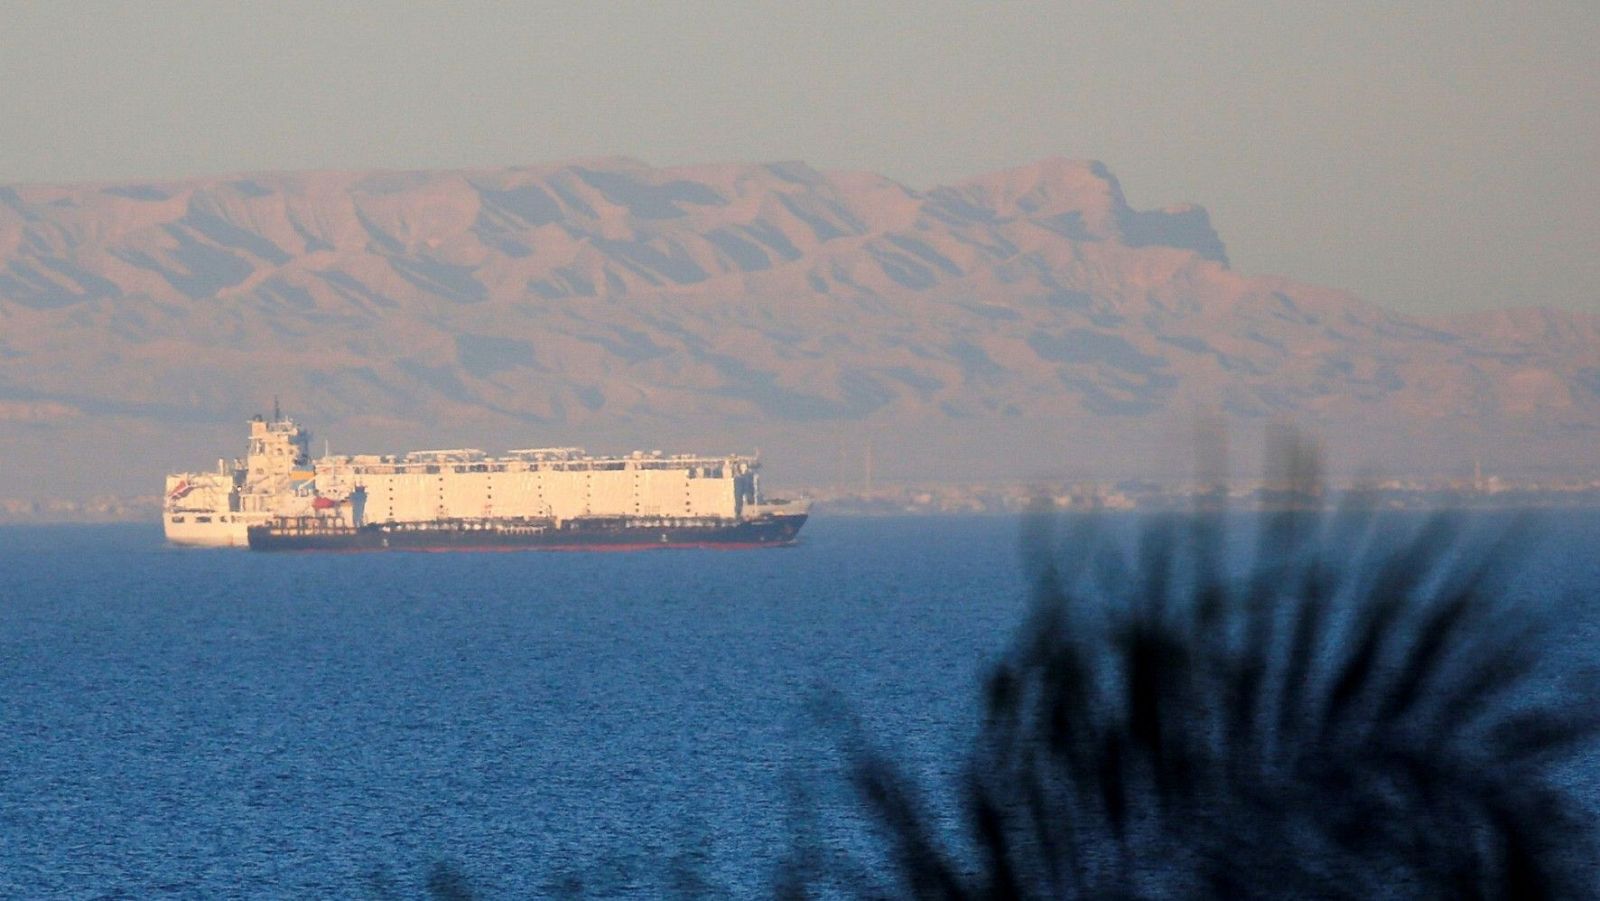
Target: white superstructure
[277, 479]
[213, 509]
[559, 484]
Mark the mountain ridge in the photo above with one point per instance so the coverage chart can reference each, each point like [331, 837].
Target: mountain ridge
[608, 301]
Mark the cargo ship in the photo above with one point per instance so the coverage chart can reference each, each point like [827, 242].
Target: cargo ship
[277, 498]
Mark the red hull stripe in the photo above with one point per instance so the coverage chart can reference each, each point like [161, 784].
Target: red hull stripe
[551, 548]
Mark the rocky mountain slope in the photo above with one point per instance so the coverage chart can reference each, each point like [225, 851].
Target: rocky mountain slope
[1020, 323]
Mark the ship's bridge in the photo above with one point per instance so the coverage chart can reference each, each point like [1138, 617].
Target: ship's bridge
[277, 449]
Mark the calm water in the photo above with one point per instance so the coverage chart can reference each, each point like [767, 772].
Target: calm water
[206, 723]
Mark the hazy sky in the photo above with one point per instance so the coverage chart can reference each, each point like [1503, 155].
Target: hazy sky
[1429, 157]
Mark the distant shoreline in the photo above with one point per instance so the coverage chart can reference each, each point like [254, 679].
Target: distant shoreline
[1009, 499]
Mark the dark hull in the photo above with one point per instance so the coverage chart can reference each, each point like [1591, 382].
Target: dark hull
[491, 535]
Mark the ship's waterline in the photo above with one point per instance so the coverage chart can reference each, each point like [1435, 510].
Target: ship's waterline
[277, 498]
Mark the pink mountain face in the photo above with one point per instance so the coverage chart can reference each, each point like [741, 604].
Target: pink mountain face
[1001, 325]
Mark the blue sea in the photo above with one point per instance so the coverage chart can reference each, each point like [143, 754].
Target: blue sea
[199, 723]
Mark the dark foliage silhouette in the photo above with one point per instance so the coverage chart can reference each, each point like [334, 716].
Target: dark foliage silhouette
[1293, 705]
[1356, 712]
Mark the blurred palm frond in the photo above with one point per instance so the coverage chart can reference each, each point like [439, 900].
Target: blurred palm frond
[1353, 712]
